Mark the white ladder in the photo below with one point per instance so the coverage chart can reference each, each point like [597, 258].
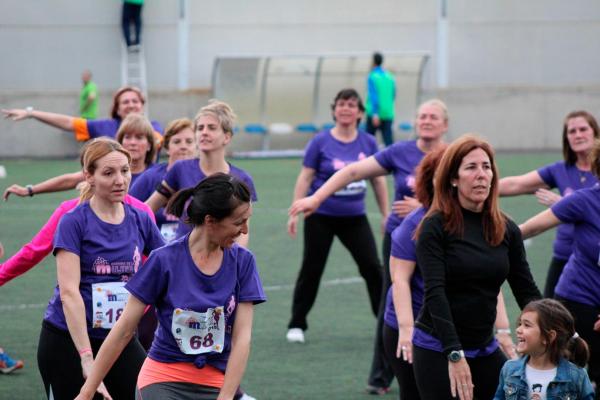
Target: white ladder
[133, 71]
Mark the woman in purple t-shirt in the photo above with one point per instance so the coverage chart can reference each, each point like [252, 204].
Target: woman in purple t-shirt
[579, 284]
[573, 173]
[214, 131]
[342, 215]
[137, 137]
[204, 287]
[180, 144]
[98, 247]
[400, 160]
[127, 100]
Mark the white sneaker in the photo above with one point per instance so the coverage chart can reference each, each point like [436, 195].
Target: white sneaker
[245, 396]
[295, 335]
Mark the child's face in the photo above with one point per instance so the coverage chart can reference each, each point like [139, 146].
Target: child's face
[529, 337]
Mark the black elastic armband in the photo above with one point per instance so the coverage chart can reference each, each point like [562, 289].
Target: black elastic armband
[163, 190]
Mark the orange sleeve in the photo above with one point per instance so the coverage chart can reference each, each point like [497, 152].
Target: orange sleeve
[158, 139]
[80, 129]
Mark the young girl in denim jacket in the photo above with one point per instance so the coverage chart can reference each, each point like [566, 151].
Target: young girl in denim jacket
[553, 357]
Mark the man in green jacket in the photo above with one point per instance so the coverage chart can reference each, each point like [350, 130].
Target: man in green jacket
[88, 97]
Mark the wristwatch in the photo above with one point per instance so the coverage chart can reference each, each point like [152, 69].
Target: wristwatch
[456, 356]
[29, 190]
[29, 111]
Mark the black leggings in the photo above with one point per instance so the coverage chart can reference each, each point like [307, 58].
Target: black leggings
[585, 317]
[431, 373]
[60, 365]
[554, 272]
[381, 374]
[402, 369]
[356, 235]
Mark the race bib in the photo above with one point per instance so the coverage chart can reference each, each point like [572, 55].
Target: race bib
[168, 231]
[198, 333]
[353, 188]
[108, 300]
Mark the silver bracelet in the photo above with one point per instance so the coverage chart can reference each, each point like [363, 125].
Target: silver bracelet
[504, 330]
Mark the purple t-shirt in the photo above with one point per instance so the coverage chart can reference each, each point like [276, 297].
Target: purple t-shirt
[567, 178]
[109, 127]
[426, 341]
[327, 155]
[580, 280]
[170, 280]
[404, 248]
[107, 253]
[143, 188]
[187, 173]
[400, 159]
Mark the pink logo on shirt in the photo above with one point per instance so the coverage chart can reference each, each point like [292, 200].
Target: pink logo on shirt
[101, 266]
[410, 181]
[230, 306]
[338, 164]
[137, 259]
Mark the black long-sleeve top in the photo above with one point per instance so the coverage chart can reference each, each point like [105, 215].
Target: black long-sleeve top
[463, 276]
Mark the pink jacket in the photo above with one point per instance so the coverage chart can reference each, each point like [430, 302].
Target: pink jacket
[41, 244]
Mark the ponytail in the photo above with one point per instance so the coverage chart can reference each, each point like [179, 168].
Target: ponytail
[577, 351]
[177, 203]
[86, 191]
[217, 195]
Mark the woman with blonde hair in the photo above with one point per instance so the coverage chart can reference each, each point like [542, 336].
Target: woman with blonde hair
[98, 247]
[213, 126]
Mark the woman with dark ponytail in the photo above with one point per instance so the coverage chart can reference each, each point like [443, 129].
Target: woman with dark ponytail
[554, 357]
[204, 287]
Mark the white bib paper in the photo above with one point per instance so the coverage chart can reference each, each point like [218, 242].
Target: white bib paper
[108, 300]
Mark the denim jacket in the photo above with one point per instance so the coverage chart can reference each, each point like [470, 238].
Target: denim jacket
[570, 383]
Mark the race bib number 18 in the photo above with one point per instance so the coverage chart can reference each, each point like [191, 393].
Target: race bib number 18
[198, 333]
[108, 301]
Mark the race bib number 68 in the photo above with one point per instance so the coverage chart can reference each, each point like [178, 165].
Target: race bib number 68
[198, 333]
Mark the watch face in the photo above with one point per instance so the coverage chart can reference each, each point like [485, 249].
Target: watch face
[454, 356]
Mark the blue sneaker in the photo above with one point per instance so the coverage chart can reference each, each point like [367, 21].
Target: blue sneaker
[7, 364]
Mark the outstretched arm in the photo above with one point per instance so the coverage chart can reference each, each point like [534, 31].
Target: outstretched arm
[539, 224]
[57, 184]
[364, 169]
[115, 342]
[381, 195]
[60, 121]
[305, 178]
[240, 351]
[522, 184]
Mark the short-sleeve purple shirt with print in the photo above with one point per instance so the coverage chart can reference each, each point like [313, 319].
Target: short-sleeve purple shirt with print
[567, 178]
[170, 279]
[404, 248]
[107, 253]
[327, 155]
[580, 280]
[400, 159]
[187, 173]
[109, 127]
[146, 184]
